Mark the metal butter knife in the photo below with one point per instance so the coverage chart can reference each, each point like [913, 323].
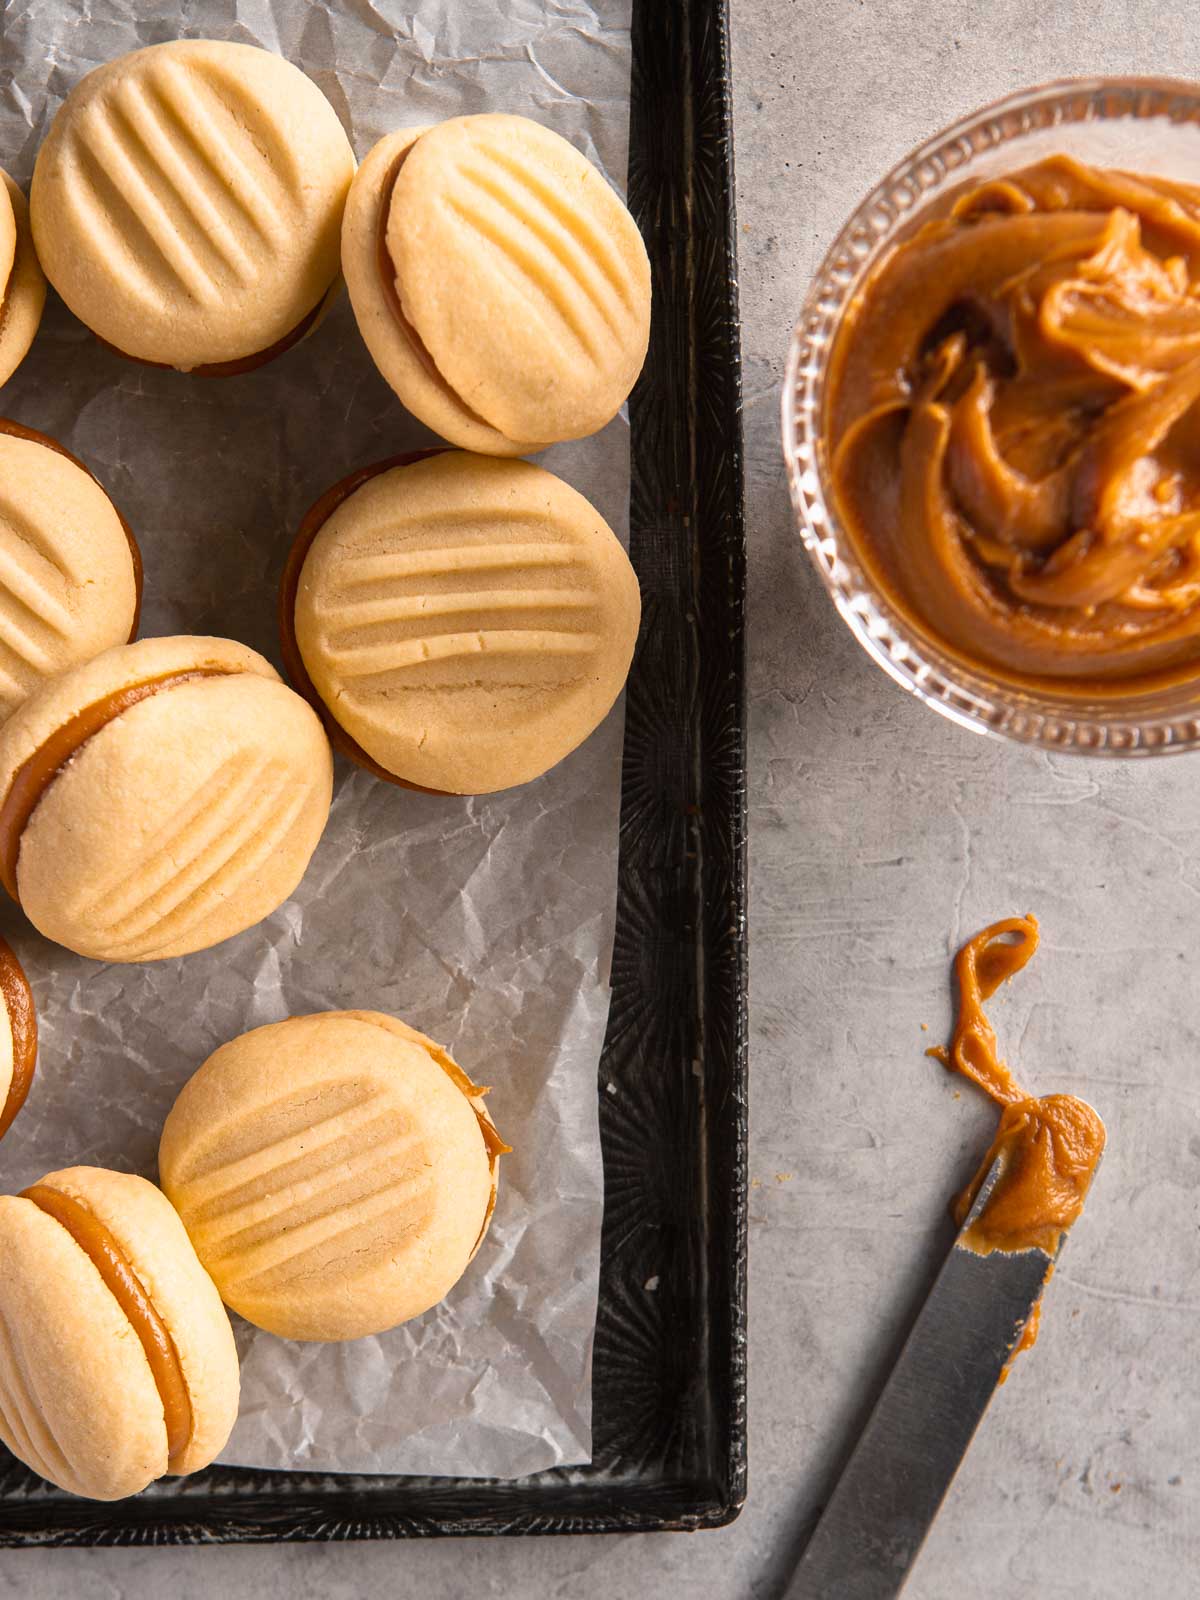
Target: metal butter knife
[884, 1503]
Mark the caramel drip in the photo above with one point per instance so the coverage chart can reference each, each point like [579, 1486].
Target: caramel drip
[34, 777]
[493, 1143]
[110, 1261]
[980, 967]
[390, 280]
[17, 430]
[240, 364]
[1048, 1147]
[315, 519]
[22, 1019]
[1029, 1335]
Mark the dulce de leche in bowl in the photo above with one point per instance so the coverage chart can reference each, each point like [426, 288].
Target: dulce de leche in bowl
[993, 423]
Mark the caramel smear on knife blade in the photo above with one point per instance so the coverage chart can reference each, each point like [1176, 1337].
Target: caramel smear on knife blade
[1049, 1146]
[110, 1261]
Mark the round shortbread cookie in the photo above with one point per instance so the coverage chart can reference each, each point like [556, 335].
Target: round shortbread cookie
[160, 798]
[70, 572]
[187, 202]
[466, 621]
[335, 1173]
[499, 282]
[80, 1401]
[24, 292]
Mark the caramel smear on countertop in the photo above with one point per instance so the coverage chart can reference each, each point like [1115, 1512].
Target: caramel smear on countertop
[1049, 1146]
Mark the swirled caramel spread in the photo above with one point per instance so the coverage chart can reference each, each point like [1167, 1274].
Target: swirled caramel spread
[1013, 427]
[34, 776]
[22, 1021]
[110, 1261]
[1050, 1146]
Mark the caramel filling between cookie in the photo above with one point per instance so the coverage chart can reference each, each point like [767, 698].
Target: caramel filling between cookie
[316, 518]
[492, 1141]
[17, 430]
[390, 279]
[34, 777]
[110, 1261]
[22, 1019]
[239, 364]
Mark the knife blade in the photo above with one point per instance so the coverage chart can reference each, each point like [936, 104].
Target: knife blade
[889, 1492]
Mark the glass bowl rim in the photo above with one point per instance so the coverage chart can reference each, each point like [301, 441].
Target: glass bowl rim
[971, 698]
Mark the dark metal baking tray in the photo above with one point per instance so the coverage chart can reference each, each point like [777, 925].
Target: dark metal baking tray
[669, 1388]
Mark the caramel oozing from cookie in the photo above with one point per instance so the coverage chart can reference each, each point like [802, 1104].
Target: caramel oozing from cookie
[391, 290]
[22, 1019]
[240, 364]
[110, 1261]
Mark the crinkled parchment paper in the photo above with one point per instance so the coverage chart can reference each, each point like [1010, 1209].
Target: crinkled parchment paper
[486, 923]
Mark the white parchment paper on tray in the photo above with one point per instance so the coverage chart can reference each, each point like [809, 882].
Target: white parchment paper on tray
[487, 923]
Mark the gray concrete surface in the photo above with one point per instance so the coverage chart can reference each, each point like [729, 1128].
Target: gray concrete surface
[880, 834]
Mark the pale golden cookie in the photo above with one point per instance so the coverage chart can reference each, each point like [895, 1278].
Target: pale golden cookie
[336, 1173]
[117, 1361]
[24, 292]
[160, 798]
[465, 621]
[187, 203]
[70, 572]
[499, 282]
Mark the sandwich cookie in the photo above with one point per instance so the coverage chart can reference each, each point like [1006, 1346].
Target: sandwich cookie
[187, 204]
[70, 569]
[117, 1361]
[18, 1037]
[23, 291]
[160, 798]
[336, 1173]
[463, 622]
[498, 280]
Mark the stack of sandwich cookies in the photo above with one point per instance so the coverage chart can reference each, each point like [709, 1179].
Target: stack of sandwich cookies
[500, 284]
[22, 285]
[464, 622]
[70, 570]
[336, 1173]
[187, 204]
[160, 798]
[18, 1037]
[117, 1361]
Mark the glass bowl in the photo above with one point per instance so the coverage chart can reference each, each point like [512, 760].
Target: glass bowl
[1146, 124]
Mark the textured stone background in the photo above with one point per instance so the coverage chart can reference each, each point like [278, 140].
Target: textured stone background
[879, 835]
